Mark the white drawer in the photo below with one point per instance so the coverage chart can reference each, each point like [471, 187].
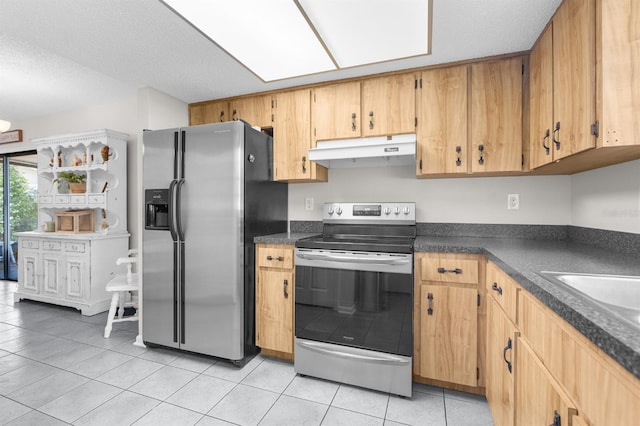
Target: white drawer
[96, 199]
[45, 199]
[62, 199]
[29, 244]
[78, 199]
[52, 245]
[75, 247]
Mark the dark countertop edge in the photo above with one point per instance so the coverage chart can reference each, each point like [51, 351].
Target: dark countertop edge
[592, 326]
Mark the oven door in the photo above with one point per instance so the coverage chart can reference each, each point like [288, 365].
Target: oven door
[357, 299]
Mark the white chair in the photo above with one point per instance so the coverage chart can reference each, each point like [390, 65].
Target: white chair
[121, 285]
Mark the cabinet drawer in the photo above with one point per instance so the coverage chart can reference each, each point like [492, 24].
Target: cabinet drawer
[503, 289]
[52, 245]
[75, 247]
[272, 257]
[449, 269]
[77, 199]
[29, 244]
[96, 199]
[45, 199]
[62, 199]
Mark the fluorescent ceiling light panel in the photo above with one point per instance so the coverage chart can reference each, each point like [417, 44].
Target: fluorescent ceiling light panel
[271, 38]
[359, 32]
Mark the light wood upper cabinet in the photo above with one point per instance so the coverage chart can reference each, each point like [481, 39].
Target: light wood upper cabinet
[441, 106]
[388, 105]
[208, 112]
[335, 111]
[573, 77]
[496, 116]
[255, 110]
[541, 147]
[292, 138]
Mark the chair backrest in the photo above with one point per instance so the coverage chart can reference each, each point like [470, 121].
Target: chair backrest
[129, 261]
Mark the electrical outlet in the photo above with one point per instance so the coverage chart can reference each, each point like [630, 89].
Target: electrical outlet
[308, 203]
[513, 201]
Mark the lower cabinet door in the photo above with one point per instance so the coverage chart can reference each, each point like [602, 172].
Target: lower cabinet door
[449, 333]
[52, 280]
[501, 335]
[77, 270]
[539, 398]
[274, 310]
[29, 271]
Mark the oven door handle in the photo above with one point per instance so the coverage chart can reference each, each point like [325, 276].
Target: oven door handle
[382, 358]
[381, 260]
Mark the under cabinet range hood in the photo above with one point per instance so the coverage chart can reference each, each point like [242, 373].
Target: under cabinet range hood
[396, 150]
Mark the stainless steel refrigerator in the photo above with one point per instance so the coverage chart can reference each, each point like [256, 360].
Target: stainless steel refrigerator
[208, 192]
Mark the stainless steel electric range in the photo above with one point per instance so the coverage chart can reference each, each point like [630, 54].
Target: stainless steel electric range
[354, 297]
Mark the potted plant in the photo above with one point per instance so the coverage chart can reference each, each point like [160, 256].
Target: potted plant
[77, 182]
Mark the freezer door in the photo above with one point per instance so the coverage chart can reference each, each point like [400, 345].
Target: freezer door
[211, 218]
[159, 308]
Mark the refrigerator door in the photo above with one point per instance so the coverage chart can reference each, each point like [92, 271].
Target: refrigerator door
[211, 216]
[160, 310]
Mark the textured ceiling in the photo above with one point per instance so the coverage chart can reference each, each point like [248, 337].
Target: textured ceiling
[65, 54]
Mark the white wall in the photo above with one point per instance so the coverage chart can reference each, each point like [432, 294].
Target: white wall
[607, 198]
[543, 199]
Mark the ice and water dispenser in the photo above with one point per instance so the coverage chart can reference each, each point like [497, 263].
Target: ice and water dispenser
[156, 203]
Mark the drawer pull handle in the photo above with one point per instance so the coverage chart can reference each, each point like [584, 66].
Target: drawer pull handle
[497, 289]
[453, 271]
[285, 284]
[279, 258]
[430, 306]
[504, 354]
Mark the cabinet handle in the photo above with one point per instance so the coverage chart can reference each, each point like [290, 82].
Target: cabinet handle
[504, 354]
[458, 151]
[544, 145]
[557, 421]
[456, 271]
[371, 119]
[353, 121]
[279, 258]
[304, 164]
[430, 305]
[481, 149]
[221, 116]
[555, 131]
[285, 284]
[234, 115]
[497, 289]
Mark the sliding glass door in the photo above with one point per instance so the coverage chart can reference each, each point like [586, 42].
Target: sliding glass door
[19, 205]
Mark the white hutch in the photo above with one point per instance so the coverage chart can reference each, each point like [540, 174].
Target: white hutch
[57, 264]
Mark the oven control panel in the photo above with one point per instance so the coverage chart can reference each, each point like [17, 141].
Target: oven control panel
[398, 212]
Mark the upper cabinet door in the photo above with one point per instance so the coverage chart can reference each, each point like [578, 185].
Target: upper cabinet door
[441, 105]
[335, 111]
[388, 105]
[574, 62]
[496, 116]
[292, 138]
[541, 100]
[208, 112]
[255, 110]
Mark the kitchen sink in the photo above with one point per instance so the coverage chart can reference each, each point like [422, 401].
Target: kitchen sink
[617, 294]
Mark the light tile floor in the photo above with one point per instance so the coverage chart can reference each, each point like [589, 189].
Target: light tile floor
[57, 369]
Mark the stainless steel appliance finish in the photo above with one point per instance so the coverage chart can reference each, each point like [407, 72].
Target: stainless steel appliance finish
[208, 191]
[354, 297]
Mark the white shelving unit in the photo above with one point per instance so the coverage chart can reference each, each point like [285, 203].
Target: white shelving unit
[72, 269]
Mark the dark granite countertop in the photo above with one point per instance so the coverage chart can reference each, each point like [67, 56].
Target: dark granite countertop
[524, 259]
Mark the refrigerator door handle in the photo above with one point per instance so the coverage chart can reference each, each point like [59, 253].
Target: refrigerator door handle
[172, 210]
[182, 294]
[176, 280]
[178, 210]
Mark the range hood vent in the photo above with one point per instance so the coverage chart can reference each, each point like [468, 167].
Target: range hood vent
[396, 150]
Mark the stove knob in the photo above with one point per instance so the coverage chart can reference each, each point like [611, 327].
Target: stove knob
[387, 210]
[330, 210]
[406, 210]
[339, 211]
[396, 210]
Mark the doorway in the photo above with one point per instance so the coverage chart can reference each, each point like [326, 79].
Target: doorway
[19, 206]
